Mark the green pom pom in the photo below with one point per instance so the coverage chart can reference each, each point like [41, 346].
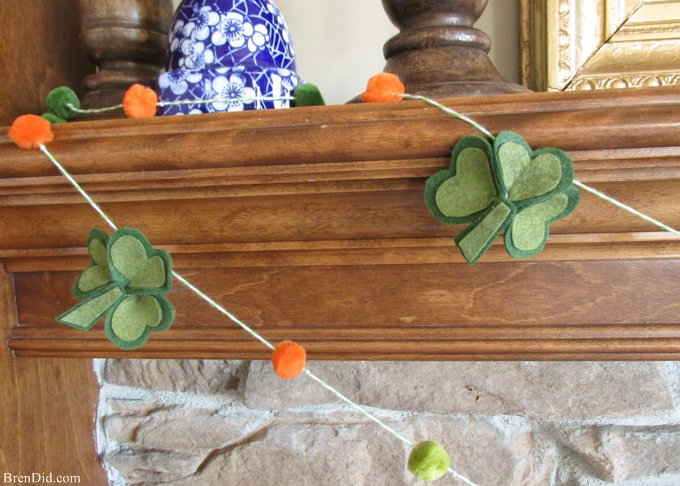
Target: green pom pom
[58, 100]
[52, 118]
[429, 461]
[308, 94]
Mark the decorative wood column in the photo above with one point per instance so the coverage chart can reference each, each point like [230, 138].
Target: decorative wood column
[127, 40]
[438, 52]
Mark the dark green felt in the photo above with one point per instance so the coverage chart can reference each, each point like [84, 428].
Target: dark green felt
[52, 118]
[308, 94]
[126, 281]
[58, 99]
[461, 193]
[507, 187]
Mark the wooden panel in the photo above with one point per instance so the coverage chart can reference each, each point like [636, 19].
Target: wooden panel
[523, 311]
[47, 410]
[39, 51]
[309, 224]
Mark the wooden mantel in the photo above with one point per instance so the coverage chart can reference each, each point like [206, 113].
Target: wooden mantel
[309, 224]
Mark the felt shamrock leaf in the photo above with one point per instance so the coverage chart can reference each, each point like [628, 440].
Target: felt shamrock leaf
[126, 281]
[97, 274]
[504, 187]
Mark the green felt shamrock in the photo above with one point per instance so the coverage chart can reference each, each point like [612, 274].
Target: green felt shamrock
[507, 188]
[126, 281]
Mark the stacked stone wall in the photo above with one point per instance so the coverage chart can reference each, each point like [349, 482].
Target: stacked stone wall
[525, 423]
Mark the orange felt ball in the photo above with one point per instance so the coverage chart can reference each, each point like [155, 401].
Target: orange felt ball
[289, 359]
[383, 87]
[140, 102]
[30, 131]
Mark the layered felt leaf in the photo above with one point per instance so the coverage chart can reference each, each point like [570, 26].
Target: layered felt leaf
[135, 262]
[465, 190]
[527, 176]
[528, 232]
[136, 317]
[505, 187]
[97, 274]
[126, 281]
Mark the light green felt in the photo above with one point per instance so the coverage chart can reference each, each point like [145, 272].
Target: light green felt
[84, 315]
[528, 233]
[478, 237]
[461, 193]
[93, 277]
[133, 320]
[134, 259]
[526, 177]
[471, 189]
[429, 461]
[134, 314]
[97, 274]
[529, 227]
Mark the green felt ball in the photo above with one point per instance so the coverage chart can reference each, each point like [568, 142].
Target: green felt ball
[52, 118]
[57, 102]
[308, 94]
[429, 461]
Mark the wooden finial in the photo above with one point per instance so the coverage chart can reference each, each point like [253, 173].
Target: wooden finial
[127, 40]
[438, 53]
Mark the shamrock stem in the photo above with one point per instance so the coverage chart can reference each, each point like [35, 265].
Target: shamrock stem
[84, 315]
[474, 240]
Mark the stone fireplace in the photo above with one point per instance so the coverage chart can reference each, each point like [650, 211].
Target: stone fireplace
[529, 423]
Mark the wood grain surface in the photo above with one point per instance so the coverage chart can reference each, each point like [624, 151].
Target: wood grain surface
[47, 410]
[39, 51]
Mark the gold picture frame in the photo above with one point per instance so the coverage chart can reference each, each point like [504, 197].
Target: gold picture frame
[599, 44]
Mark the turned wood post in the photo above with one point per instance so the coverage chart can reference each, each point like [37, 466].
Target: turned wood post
[438, 52]
[126, 39]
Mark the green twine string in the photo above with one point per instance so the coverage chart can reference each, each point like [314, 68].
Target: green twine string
[451, 112]
[236, 320]
[251, 99]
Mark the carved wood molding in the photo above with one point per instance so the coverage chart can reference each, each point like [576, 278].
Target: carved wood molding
[572, 45]
[309, 224]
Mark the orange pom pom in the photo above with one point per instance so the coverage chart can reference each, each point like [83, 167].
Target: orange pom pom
[140, 102]
[289, 359]
[30, 131]
[383, 87]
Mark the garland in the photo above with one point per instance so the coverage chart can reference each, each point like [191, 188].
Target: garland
[495, 184]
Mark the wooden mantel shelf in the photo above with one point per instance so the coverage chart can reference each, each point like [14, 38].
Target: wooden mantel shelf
[309, 224]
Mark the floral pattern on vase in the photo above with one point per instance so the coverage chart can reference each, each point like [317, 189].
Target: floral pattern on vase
[220, 49]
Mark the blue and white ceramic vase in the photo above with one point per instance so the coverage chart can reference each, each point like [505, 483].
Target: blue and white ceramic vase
[221, 50]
